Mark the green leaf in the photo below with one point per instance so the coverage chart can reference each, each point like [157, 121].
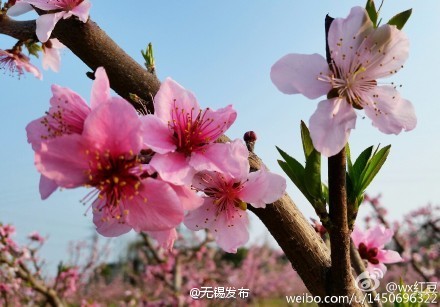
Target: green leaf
[294, 170]
[349, 163]
[351, 193]
[325, 193]
[372, 12]
[372, 168]
[306, 140]
[360, 164]
[312, 175]
[400, 19]
[34, 49]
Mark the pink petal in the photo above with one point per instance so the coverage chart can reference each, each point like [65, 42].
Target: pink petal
[51, 59]
[76, 107]
[63, 161]
[173, 167]
[223, 117]
[378, 236]
[45, 25]
[229, 158]
[389, 256]
[157, 208]
[189, 199]
[386, 49]
[346, 35]
[109, 226]
[165, 238]
[229, 232]
[100, 88]
[208, 179]
[157, 135]
[299, 73]
[19, 8]
[389, 112]
[357, 236]
[43, 4]
[262, 187]
[330, 125]
[31, 69]
[172, 95]
[47, 187]
[202, 217]
[114, 126]
[56, 43]
[82, 10]
[36, 132]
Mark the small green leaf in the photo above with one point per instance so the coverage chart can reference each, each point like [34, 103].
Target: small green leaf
[359, 165]
[400, 19]
[372, 168]
[351, 193]
[349, 163]
[34, 49]
[306, 140]
[148, 56]
[372, 12]
[296, 173]
[312, 175]
[294, 170]
[295, 176]
[325, 193]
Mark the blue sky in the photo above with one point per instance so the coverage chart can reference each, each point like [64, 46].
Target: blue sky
[223, 51]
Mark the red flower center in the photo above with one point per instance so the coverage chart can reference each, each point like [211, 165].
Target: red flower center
[369, 254]
[193, 130]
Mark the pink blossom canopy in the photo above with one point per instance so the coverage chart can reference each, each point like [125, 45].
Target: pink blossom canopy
[46, 23]
[371, 244]
[224, 208]
[360, 54]
[183, 135]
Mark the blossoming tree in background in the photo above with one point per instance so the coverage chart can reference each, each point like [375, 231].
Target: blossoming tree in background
[153, 158]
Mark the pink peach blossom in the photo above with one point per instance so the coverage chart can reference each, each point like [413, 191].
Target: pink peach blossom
[46, 22]
[371, 244]
[66, 116]
[51, 54]
[104, 157]
[224, 209]
[183, 135]
[360, 54]
[16, 62]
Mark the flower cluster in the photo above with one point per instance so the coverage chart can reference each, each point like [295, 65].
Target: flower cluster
[360, 54]
[145, 172]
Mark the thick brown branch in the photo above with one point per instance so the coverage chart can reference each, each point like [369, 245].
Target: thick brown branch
[21, 30]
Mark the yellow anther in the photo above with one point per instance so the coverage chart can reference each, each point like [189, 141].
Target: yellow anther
[242, 205]
[115, 179]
